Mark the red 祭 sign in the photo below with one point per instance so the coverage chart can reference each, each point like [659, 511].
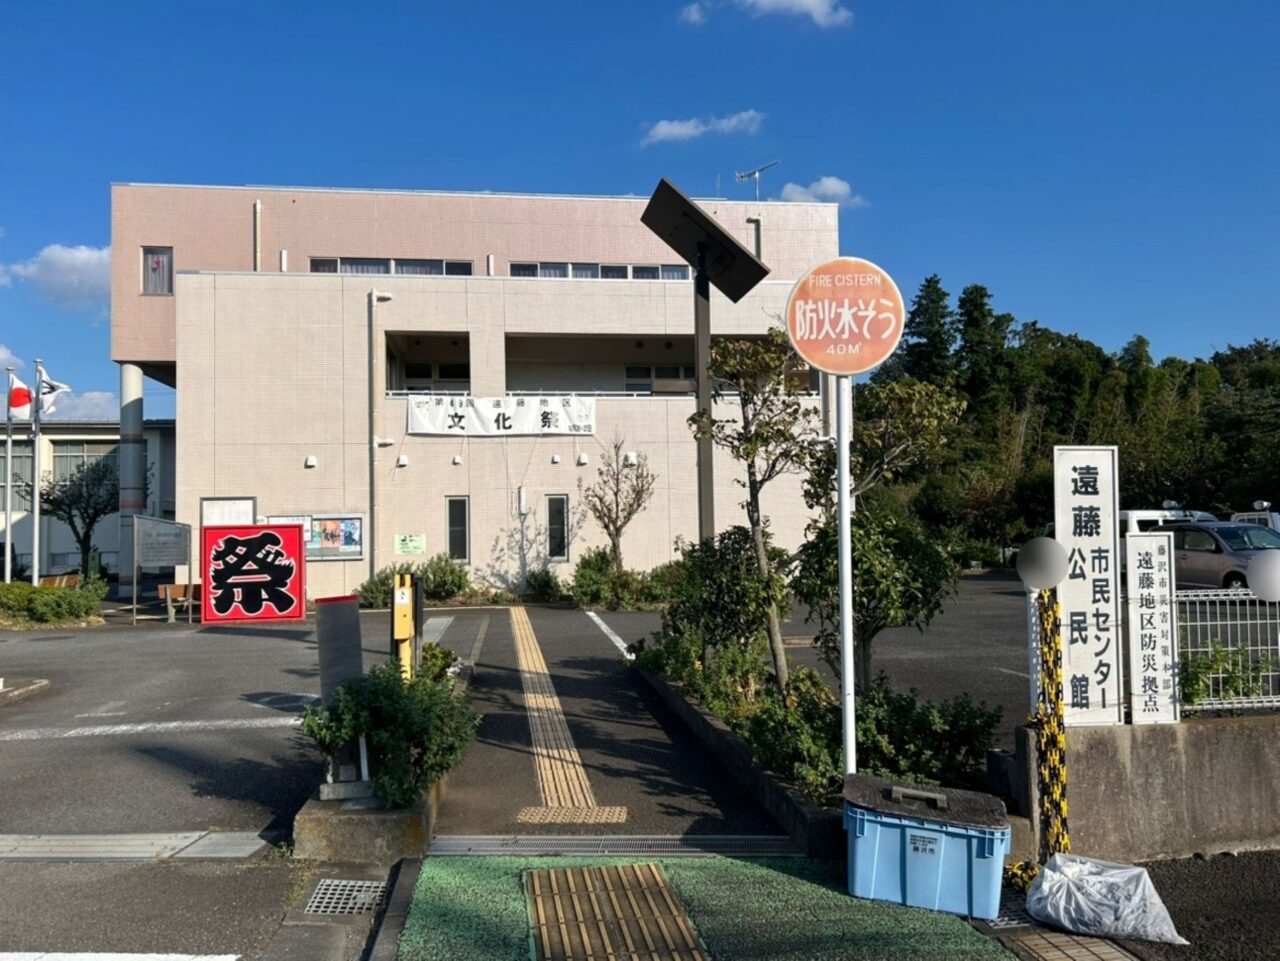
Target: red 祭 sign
[253, 573]
[845, 316]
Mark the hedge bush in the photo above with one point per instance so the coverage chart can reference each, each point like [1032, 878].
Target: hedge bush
[543, 585]
[442, 579]
[20, 601]
[597, 583]
[416, 731]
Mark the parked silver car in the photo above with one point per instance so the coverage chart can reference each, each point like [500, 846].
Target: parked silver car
[1217, 555]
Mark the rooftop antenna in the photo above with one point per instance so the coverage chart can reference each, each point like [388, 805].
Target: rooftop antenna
[742, 178]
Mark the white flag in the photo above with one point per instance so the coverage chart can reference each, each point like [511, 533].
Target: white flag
[50, 391]
[19, 399]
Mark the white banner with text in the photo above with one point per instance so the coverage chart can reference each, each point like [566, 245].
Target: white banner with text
[501, 416]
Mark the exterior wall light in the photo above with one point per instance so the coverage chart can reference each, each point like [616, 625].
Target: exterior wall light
[402, 460]
[457, 459]
[582, 460]
[555, 458]
[310, 461]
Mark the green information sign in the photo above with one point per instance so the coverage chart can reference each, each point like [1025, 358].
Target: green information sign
[411, 543]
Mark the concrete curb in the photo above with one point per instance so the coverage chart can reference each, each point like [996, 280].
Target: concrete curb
[386, 940]
[23, 690]
[818, 832]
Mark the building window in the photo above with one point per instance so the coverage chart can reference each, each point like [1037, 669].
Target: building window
[457, 268]
[586, 271]
[524, 270]
[558, 527]
[613, 271]
[70, 455]
[364, 265]
[644, 272]
[639, 380]
[157, 270]
[324, 265]
[459, 533]
[420, 267]
[455, 372]
[553, 270]
[20, 477]
[675, 271]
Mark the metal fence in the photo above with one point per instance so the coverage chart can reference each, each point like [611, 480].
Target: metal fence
[1242, 635]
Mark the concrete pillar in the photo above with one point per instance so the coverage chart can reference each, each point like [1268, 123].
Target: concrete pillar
[132, 462]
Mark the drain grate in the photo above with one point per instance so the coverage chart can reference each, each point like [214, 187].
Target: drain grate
[346, 897]
[1013, 913]
[618, 845]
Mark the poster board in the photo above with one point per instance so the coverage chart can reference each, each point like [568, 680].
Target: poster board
[253, 573]
[221, 511]
[160, 543]
[328, 537]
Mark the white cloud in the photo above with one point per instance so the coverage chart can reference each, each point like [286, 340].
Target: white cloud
[695, 14]
[824, 189]
[91, 405]
[824, 13]
[7, 359]
[74, 278]
[744, 121]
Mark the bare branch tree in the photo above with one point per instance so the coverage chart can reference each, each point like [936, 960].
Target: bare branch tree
[620, 492]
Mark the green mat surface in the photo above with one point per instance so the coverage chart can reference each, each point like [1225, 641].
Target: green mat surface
[781, 909]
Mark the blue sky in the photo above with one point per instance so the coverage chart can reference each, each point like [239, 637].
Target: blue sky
[1104, 168]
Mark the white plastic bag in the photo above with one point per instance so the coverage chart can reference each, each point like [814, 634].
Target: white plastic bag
[1106, 900]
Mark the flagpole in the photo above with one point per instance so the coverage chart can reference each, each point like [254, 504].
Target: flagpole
[37, 400]
[8, 477]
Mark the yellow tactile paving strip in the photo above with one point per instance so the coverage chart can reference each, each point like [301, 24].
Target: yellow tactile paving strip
[624, 913]
[1040, 944]
[567, 797]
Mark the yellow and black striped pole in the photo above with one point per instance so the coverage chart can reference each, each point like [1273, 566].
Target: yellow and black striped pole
[1051, 743]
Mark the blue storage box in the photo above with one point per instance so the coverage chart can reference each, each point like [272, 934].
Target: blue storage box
[925, 847]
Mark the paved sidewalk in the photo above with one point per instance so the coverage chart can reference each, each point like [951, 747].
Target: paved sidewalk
[602, 738]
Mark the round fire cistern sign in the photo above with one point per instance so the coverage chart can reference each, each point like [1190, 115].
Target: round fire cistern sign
[845, 316]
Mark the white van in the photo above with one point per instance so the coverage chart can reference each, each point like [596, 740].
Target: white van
[1267, 519]
[1139, 522]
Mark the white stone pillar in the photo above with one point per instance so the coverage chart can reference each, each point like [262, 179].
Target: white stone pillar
[132, 463]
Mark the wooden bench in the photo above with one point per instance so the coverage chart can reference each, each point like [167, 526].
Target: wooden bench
[174, 594]
[60, 580]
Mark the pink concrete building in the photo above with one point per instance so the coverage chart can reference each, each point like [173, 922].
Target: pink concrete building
[511, 340]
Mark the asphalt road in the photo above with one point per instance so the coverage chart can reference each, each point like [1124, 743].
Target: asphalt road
[1227, 906]
[976, 645]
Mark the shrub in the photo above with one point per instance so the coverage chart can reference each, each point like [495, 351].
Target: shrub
[437, 662]
[14, 598]
[899, 736]
[51, 605]
[593, 578]
[442, 579]
[1237, 675]
[376, 591]
[543, 585]
[661, 582]
[416, 732]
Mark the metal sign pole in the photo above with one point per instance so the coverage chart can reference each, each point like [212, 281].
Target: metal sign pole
[844, 507]
[133, 525]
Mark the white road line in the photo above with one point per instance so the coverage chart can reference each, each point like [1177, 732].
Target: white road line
[1005, 670]
[481, 632]
[608, 632]
[434, 629]
[105, 956]
[110, 709]
[153, 727]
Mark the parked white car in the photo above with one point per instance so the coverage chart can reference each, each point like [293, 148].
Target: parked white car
[1268, 519]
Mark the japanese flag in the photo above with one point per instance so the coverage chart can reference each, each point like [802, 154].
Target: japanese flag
[19, 400]
[50, 391]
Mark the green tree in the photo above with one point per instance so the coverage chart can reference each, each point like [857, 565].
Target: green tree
[901, 576]
[930, 334]
[984, 337]
[81, 500]
[771, 435]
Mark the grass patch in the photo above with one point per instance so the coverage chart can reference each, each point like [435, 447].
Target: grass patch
[781, 909]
